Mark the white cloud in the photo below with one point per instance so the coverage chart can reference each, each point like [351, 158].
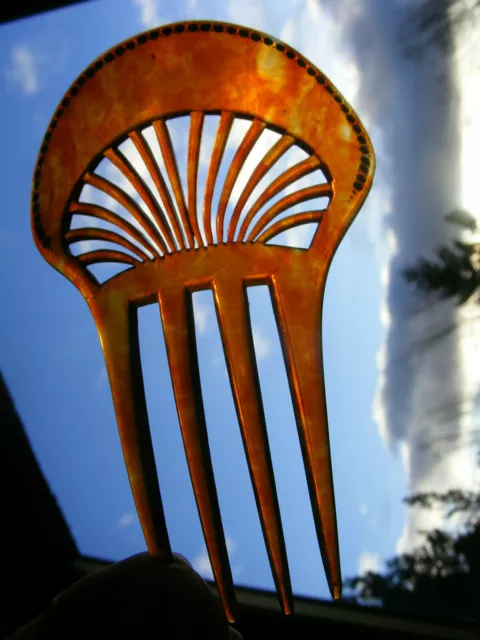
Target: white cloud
[22, 71]
[201, 562]
[148, 12]
[201, 313]
[369, 561]
[126, 520]
[261, 343]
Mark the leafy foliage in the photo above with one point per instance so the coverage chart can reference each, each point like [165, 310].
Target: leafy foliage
[431, 23]
[442, 575]
[455, 273]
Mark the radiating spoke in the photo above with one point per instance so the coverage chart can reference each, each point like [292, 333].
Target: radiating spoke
[100, 213]
[247, 144]
[289, 201]
[194, 141]
[282, 182]
[183, 236]
[171, 167]
[288, 223]
[93, 233]
[226, 121]
[130, 205]
[268, 161]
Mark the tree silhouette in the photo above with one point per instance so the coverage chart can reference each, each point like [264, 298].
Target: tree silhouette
[442, 575]
[455, 273]
[430, 23]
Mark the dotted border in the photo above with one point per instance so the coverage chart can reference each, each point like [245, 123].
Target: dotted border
[193, 27]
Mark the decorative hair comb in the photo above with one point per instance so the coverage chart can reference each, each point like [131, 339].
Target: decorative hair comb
[167, 248]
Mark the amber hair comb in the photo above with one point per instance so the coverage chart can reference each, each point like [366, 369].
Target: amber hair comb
[168, 247]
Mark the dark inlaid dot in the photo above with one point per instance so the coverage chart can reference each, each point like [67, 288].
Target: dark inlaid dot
[90, 72]
[320, 80]
[193, 27]
[280, 47]
[290, 55]
[206, 26]
[35, 197]
[74, 91]
[40, 162]
[357, 129]
[46, 243]
[301, 62]
[142, 39]
[167, 31]
[345, 108]
[255, 37]
[130, 45]
[98, 65]
[38, 173]
[119, 51]
[109, 57]
[231, 30]
[218, 28]
[329, 89]
[243, 33]
[36, 184]
[361, 178]
[364, 168]
[65, 102]
[310, 71]
[153, 35]
[362, 139]
[337, 99]
[350, 118]
[180, 28]
[268, 41]
[365, 160]
[36, 209]
[81, 81]
[44, 148]
[48, 135]
[358, 186]
[365, 150]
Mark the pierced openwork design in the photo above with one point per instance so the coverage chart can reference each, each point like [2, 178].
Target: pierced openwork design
[110, 187]
[159, 218]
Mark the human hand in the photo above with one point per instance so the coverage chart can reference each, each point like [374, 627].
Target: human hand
[141, 598]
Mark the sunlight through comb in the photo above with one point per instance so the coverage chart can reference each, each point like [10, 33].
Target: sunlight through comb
[110, 191]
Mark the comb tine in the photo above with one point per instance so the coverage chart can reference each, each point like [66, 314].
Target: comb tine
[300, 330]
[231, 305]
[118, 330]
[178, 326]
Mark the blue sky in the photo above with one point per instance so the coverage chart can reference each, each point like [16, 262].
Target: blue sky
[52, 361]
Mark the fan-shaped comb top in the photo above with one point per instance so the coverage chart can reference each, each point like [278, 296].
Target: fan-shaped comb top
[196, 68]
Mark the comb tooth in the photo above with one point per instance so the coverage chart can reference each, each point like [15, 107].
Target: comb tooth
[299, 318]
[231, 305]
[118, 331]
[178, 326]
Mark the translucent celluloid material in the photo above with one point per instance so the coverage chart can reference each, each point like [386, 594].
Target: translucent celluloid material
[169, 246]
